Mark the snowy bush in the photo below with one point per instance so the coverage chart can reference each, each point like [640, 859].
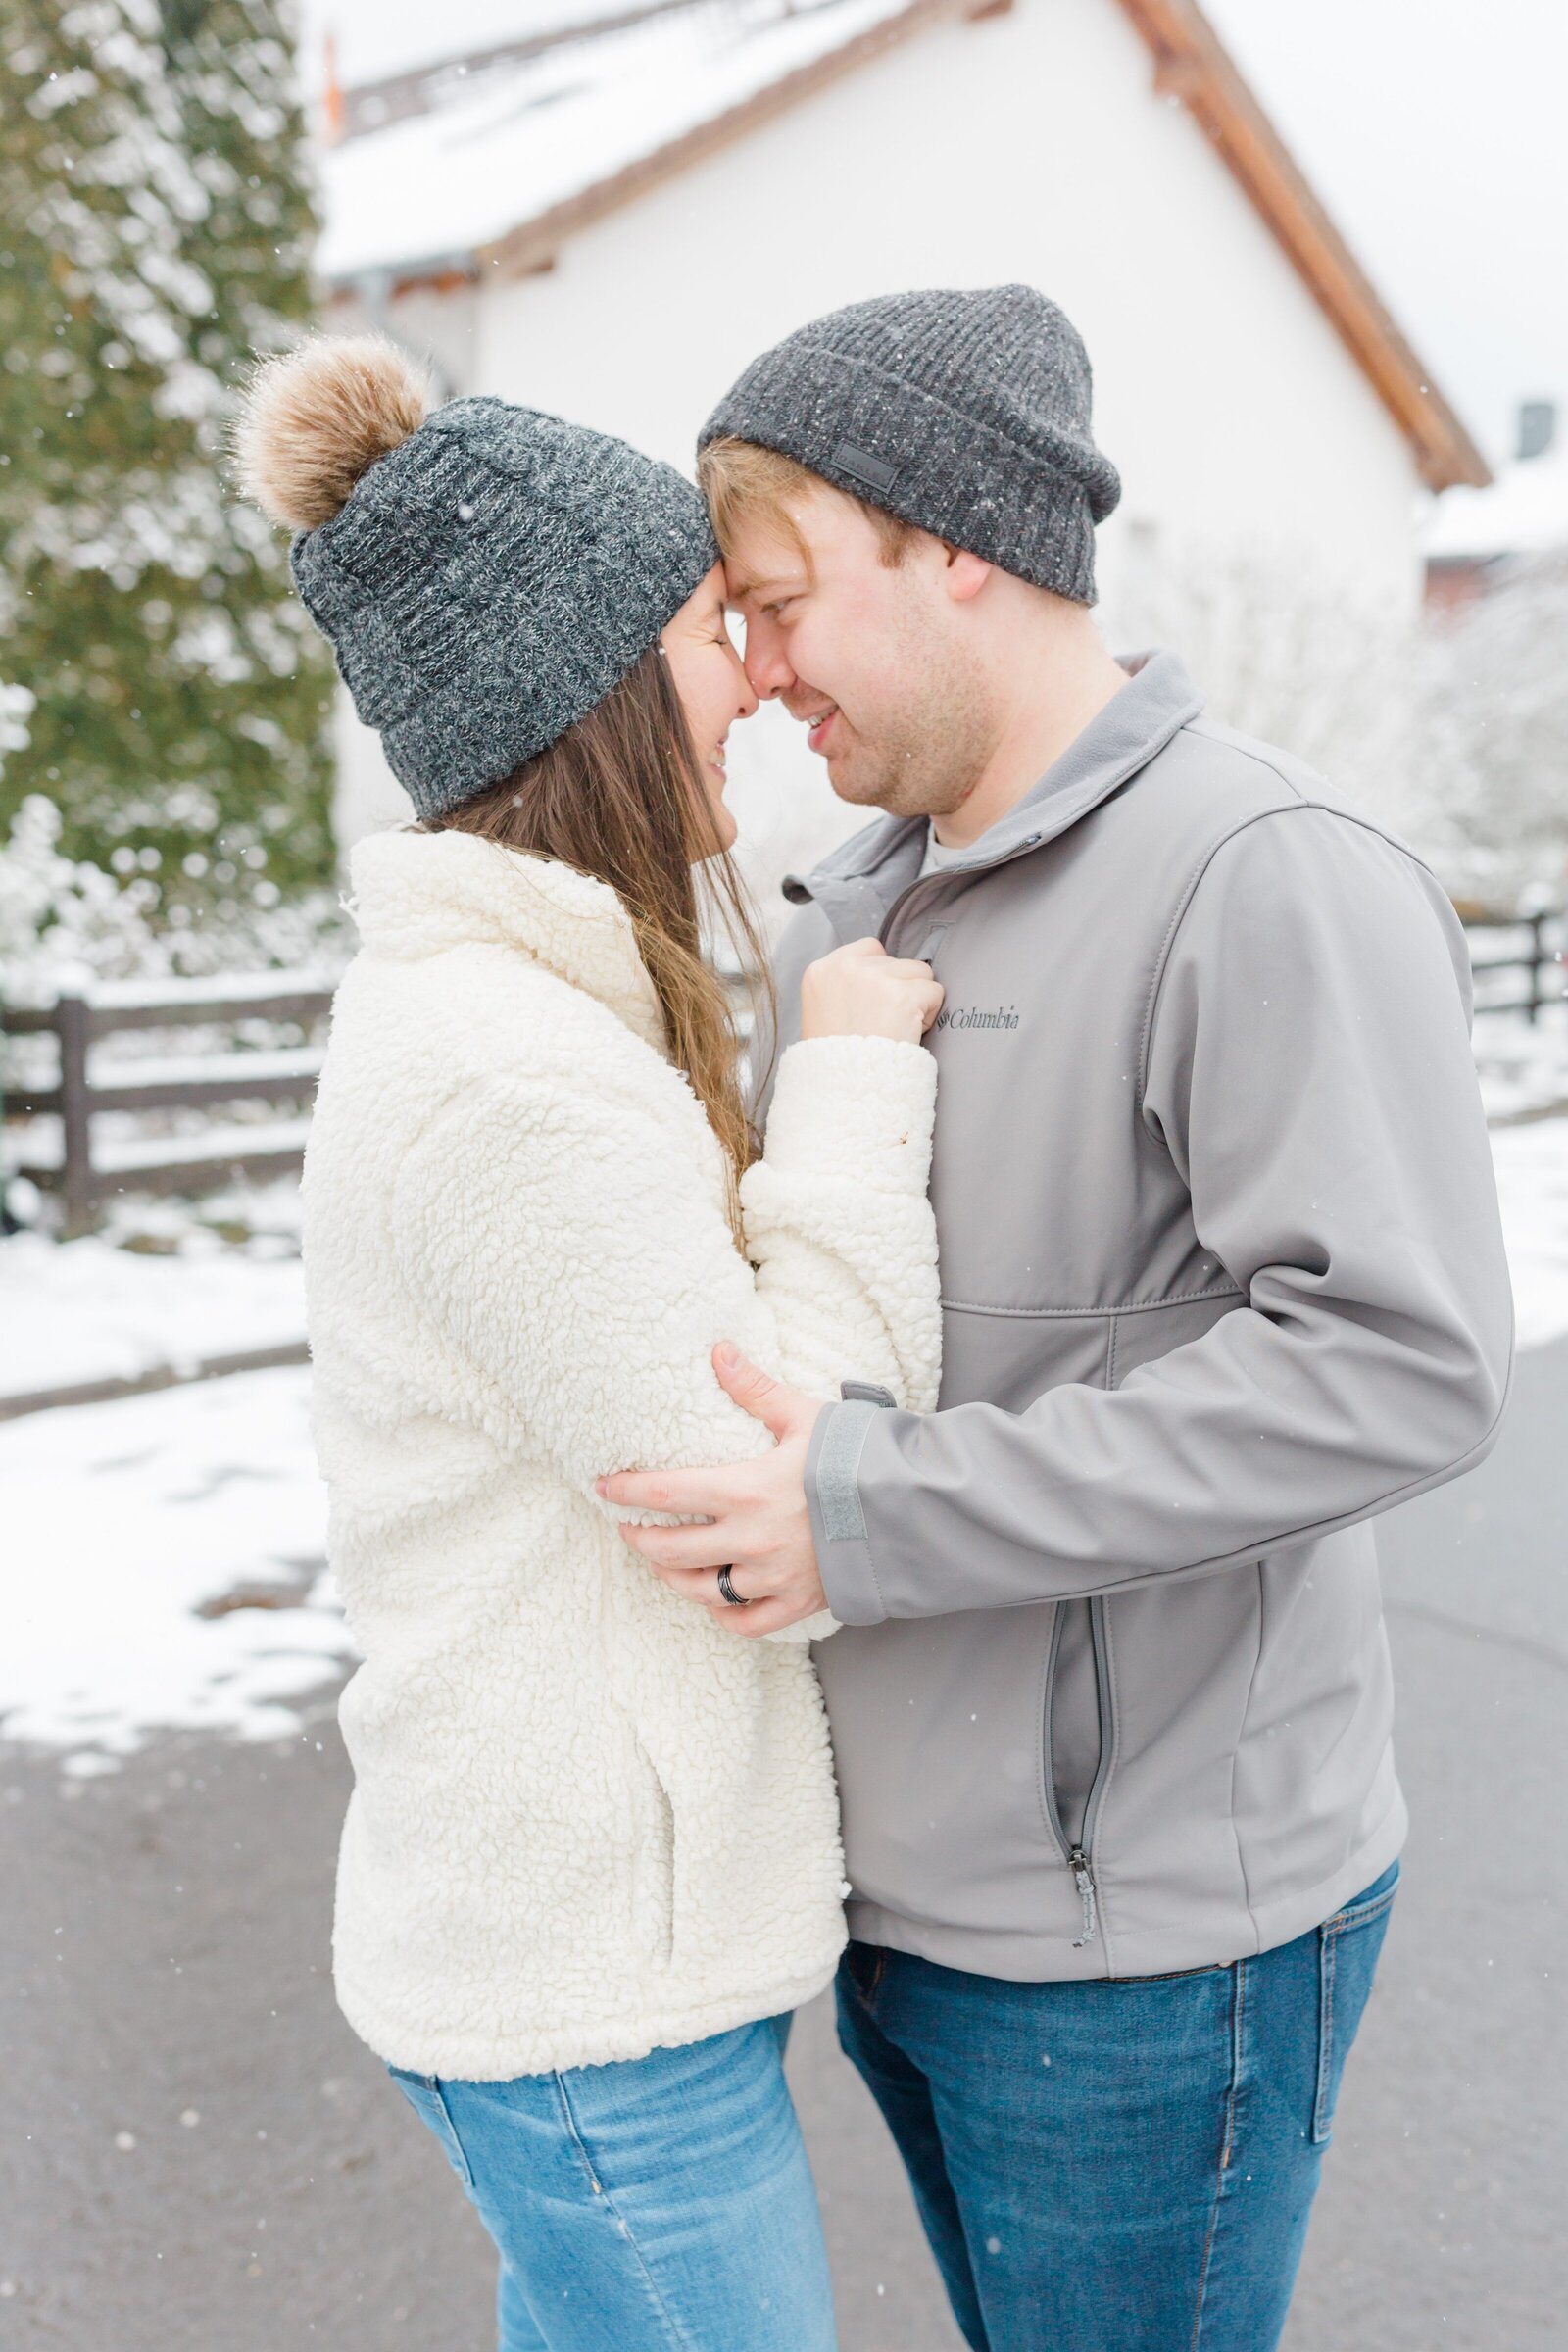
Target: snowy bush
[1281, 653]
[17, 707]
[158, 234]
[65, 921]
[1452, 732]
[1493, 748]
[62, 920]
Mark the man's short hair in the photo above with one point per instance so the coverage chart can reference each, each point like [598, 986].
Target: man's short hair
[745, 483]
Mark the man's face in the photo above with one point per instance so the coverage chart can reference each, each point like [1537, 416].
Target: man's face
[872, 658]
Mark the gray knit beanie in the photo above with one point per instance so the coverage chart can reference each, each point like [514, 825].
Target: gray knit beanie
[965, 412]
[484, 573]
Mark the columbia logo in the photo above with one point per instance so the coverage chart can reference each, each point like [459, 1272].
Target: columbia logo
[971, 1017]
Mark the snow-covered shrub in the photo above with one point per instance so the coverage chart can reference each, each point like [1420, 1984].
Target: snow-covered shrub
[64, 923]
[17, 707]
[1493, 748]
[158, 231]
[62, 920]
[1452, 732]
[1281, 653]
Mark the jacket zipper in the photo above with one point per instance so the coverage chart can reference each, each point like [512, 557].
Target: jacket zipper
[1078, 1855]
[1104, 1709]
[961, 873]
[1082, 1878]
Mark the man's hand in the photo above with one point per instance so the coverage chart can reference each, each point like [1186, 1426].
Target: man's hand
[760, 1531]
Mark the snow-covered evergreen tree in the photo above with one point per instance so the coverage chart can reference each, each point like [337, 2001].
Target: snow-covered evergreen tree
[155, 231]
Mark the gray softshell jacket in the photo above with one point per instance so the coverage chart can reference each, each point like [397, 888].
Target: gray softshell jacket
[1223, 1277]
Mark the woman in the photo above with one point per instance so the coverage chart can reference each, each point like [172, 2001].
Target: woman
[592, 1856]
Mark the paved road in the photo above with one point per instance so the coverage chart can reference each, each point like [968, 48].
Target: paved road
[195, 2156]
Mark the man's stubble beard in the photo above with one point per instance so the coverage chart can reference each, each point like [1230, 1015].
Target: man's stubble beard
[926, 759]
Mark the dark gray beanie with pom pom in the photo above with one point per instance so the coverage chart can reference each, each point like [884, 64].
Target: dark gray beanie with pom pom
[484, 575]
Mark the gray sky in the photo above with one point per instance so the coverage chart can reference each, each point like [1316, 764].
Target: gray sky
[1433, 129]
[1434, 132]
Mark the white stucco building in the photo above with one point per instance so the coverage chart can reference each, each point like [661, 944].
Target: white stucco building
[610, 218]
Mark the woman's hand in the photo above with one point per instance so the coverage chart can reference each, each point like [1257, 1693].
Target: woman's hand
[861, 991]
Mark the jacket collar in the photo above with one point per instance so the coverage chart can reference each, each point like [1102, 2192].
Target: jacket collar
[859, 883]
[417, 894]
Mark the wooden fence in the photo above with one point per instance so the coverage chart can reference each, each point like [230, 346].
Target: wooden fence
[1541, 961]
[88, 1169]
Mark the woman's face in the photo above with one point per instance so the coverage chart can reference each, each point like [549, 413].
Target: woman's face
[711, 681]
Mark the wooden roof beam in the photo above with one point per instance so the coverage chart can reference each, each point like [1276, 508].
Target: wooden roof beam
[1192, 66]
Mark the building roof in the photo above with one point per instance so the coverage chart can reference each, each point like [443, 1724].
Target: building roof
[489, 161]
[500, 155]
[1192, 65]
[1524, 513]
[374, 42]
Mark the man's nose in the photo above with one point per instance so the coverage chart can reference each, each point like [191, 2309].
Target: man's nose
[767, 665]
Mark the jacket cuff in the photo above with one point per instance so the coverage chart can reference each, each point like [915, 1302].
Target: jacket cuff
[854, 1106]
[833, 1498]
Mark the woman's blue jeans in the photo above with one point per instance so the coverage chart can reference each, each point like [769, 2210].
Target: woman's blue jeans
[1124, 2166]
[663, 2204]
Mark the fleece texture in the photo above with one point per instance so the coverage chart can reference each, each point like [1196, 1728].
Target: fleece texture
[587, 1819]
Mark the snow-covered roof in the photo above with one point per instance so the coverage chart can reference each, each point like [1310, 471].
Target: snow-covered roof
[495, 155]
[1524, 513]
[504, 143]
[374, 40]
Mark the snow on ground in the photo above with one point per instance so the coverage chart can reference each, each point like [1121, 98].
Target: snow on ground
[85, 1311]
[1532, 1164]
[123, 1523]
[1523, 1066]
[131, 1530]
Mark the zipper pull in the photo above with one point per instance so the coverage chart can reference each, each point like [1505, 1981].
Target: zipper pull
[1082, 1878]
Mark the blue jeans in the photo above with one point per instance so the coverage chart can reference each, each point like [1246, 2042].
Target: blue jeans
[662, 2204]
[1117, 2166]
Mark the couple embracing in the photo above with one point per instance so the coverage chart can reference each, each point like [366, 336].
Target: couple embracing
[738, 1607]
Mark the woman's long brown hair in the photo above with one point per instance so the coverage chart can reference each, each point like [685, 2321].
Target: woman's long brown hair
[618, 797]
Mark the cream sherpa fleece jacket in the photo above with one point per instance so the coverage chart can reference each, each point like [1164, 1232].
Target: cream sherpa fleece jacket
[587, 1820]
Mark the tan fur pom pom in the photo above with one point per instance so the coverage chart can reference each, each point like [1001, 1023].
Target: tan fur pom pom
[316, 419]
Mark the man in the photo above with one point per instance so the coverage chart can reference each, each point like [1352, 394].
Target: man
[1223, 1279]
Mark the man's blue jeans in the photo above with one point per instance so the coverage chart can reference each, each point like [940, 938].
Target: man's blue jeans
[1124, 2166]
[663, 2204]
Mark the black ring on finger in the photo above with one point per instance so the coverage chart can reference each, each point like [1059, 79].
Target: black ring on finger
[727, 1591]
